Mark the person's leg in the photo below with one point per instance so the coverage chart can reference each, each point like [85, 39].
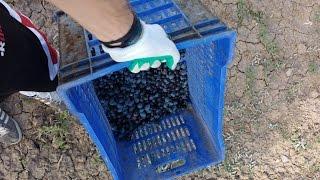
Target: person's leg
[27, 63]
[2, 98]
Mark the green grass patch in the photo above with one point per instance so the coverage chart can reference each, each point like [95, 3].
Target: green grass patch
[313, 67]
[244, 11]
[251, 75]
[271, 65]
[96, 160]
[315, 168]
[253, 109]
[317, 15]
[270, 45]
[292, 92]
[298, 142]
[229, 166]
[58, 132]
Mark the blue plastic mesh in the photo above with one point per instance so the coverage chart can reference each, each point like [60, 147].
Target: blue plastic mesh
[206, 79]
[182, 142]
[179, 137]
[91, 113]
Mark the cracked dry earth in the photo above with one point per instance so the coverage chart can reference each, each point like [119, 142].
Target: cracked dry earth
[272, 114]
[54, 145]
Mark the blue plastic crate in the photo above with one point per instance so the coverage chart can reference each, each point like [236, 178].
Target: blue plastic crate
[182, 142]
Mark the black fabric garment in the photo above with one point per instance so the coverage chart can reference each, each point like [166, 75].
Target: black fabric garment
[23, 62]
[3, 97]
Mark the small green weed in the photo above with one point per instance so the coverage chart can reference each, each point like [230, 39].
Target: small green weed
[292, 92]
[96, 160]
[229, 167]
[242, 11]
[253, 109]
[313, 67]
[271, 65]
[298, 142]
[250, 74]
[270, 45]
[58, 132]
[268, 67]
[317, 15]
[315, 168]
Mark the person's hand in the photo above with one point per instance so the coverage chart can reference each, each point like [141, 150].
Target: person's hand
[153, 48]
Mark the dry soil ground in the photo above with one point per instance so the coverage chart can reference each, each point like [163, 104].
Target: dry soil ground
[272, 114]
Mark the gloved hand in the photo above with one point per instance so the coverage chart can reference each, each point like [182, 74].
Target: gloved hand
[153, 48]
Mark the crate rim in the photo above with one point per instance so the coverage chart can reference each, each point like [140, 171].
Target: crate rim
[231, 34]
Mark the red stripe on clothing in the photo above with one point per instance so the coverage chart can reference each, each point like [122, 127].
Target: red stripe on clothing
[1, 35]
[2, 38]
[51, 53]
[28, 23]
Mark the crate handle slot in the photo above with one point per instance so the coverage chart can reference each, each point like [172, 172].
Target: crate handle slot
[171, 165]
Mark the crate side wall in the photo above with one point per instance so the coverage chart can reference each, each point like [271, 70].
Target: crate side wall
[91, 114]
[206, 78]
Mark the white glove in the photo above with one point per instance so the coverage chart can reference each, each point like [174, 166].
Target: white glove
[153, 48]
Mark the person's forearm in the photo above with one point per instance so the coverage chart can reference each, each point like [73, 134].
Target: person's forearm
[107, 19]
